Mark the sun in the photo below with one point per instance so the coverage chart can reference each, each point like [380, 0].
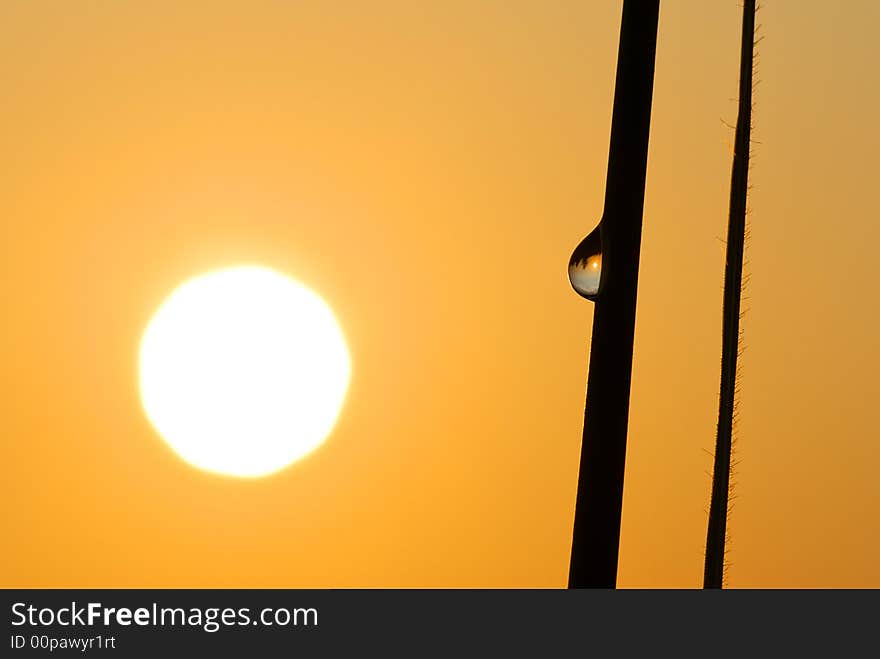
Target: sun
[243, 371]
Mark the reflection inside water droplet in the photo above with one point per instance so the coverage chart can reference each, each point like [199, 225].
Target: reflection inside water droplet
[585, 266]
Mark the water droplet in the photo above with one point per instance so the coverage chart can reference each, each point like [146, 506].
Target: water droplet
[585, 266]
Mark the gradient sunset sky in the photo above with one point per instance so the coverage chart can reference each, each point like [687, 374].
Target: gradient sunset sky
[427, 167]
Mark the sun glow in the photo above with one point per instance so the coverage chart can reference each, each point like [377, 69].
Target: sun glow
[243, 371]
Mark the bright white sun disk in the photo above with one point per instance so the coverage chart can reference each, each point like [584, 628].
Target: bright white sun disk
[243, 371]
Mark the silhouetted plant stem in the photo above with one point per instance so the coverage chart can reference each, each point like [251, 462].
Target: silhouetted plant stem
[596, 532]
[716, 535]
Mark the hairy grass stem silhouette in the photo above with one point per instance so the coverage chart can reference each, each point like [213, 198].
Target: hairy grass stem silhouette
[716, 535]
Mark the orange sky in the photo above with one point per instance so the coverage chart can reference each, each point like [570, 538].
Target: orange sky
[428, 168]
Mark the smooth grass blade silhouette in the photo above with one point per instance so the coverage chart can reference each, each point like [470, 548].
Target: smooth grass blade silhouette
[716, 536]
[604, 268]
